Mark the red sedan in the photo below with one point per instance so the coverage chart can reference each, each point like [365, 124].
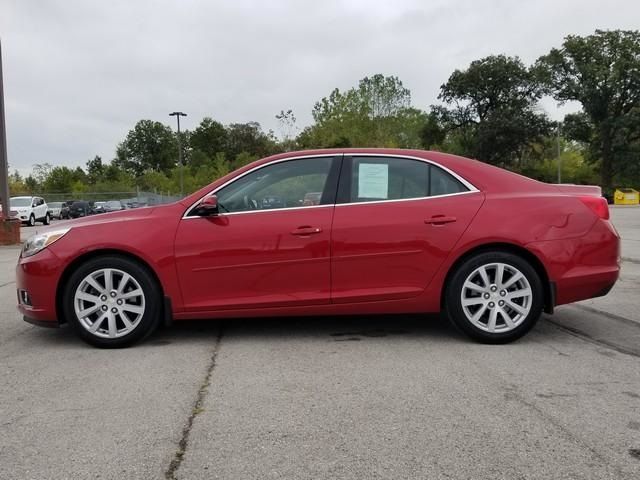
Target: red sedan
[329, 232]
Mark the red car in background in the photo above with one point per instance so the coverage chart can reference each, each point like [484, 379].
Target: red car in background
[355, 231]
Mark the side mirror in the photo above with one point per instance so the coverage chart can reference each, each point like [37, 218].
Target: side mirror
[208, 206]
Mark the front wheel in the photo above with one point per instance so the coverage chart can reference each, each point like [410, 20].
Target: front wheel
[32, 220]
[495, 297]
[112, 302]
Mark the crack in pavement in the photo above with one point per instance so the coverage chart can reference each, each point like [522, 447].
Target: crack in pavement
[178, 457]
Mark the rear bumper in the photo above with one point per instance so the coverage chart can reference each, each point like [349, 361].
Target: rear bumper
[584, 267]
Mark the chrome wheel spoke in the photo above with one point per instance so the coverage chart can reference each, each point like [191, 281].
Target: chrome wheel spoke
[108, 279]
[473, 301]
[478, 314]
[499, 274]
[507, 319]
[123, 283]
[493, 317]
[88, 311]
[525, 292]
[474, 286]
[87, 297]
[516, 277]
[96, 325]
[113, 330]
[132, 308]
[92, 281]
[517, 308]
[485, 277]
[131, 294]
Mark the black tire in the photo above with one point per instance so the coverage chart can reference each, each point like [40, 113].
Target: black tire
[453, 301]
[32, 220]
[152, 299]
[46, 219]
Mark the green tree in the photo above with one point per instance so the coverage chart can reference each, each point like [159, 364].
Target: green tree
[491, 109]
[148, 146]
[249, 138]
[602, 72]
[95, 170]
[377, 113]
[209, 137]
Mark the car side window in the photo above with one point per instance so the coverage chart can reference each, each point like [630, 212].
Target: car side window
[370, 179]
[292, 183]
[377, 178]
[443, 183]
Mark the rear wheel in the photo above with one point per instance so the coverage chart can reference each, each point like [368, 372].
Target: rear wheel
[495, 297]
[46, 219]
[112, 301]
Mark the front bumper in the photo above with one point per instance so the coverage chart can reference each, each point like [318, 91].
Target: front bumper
[38, 275]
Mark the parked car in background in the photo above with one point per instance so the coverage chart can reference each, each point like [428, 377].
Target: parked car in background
[64, 210]
[99, 207]
[394, 231]
[54, 209]
[29, 210]
[113, 206]
[80, 209]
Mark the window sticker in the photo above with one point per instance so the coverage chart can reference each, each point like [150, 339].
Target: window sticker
[373, 180]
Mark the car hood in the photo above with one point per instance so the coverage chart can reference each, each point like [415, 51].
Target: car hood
[111, 217]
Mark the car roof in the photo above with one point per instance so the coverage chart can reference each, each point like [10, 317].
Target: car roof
[485, 177]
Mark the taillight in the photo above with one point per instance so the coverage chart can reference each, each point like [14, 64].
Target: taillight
[598, 205]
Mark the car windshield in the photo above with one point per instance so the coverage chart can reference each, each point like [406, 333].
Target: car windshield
[21, 202]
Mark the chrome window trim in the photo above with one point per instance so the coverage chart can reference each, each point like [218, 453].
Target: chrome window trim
[467, 184]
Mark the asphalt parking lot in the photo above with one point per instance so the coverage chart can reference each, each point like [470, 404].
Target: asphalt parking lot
[326, 398]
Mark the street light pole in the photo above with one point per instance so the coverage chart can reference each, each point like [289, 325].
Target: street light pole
[178, 115]
[4, 167]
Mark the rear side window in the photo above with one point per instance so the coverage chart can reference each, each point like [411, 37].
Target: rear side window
[387, 178]
[443, 183]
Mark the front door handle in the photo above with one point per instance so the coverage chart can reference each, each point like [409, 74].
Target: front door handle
[306, 230]
[439, 220]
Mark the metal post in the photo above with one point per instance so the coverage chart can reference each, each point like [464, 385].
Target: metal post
[559, 159]
[178, 115]
[4, 166]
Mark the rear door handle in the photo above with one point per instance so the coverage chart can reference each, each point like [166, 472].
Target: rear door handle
[306, 230]
[440, 220]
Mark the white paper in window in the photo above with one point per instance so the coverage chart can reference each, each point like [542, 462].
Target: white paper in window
[373, 180]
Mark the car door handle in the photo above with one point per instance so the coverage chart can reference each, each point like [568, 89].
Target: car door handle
[306, 230]
[439, 220]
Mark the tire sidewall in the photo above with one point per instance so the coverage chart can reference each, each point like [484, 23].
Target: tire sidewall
[150, 287]
[32, 220]
[453, 302]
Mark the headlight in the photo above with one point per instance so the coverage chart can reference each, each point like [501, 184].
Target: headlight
[41, 241]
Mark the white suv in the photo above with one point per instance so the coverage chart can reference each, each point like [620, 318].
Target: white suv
[30, 210]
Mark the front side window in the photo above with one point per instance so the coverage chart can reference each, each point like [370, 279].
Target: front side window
[387, 178]
[288, 184]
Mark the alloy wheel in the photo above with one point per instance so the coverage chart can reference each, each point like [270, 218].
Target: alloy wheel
[496, 297]
[109, 303]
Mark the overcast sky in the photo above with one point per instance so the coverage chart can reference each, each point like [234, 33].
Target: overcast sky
[80, 73]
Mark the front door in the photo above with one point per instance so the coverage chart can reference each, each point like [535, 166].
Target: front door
[395, 221]
[268, 246]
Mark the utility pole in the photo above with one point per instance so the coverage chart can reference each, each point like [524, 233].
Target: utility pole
[4, 167]
[559, 159]
[178, 115]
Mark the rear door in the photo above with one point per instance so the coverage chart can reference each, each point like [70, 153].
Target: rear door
[395, 221]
